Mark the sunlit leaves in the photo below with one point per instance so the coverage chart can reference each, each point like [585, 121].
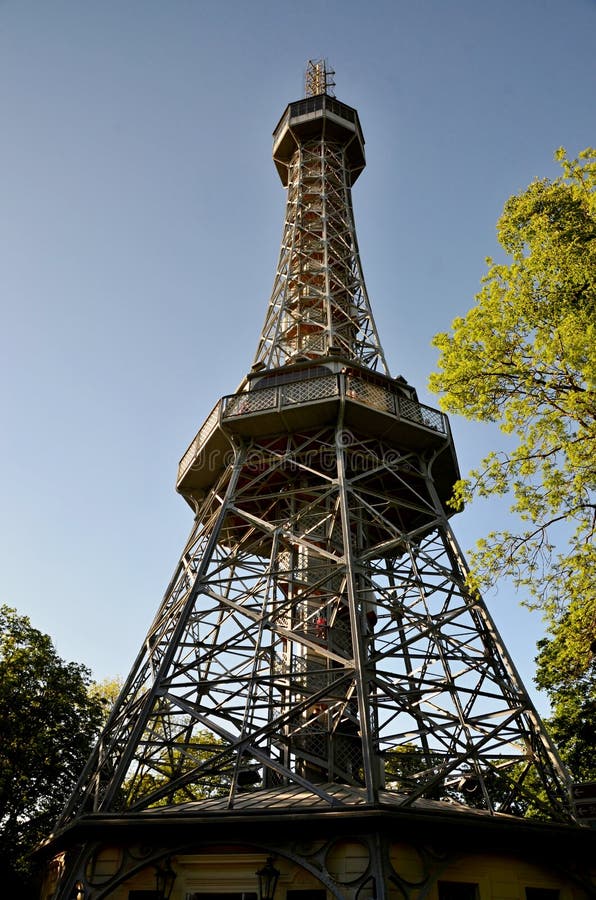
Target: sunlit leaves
[525, 356]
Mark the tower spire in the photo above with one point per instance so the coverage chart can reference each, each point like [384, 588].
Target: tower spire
[319, 305]
[318, 78]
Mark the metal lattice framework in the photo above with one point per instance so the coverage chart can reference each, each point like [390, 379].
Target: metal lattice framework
[318, 638]
[318, 629]
[318, 78]
[319, 302]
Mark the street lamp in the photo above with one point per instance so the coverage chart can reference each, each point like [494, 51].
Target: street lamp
[268, 877]
[164, 880]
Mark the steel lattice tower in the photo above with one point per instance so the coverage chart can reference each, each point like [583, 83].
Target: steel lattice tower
[317, 643]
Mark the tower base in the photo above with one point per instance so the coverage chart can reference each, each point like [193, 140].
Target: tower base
[357, 851]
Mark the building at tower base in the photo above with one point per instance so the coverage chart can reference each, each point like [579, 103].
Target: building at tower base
[363, 852]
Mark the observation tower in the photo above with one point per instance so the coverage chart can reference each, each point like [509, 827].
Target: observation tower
[321, 707]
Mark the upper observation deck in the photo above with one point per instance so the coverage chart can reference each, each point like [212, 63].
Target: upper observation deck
[318, 117]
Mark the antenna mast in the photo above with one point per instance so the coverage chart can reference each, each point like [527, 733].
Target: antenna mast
[319, 78]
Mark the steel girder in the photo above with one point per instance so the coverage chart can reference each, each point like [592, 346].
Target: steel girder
[318, 629]
[319, 301]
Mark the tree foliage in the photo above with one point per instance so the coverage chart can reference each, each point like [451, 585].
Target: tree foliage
[106, 691]
[525, 356]
[571, 687]
[48, 721]
[172, 765]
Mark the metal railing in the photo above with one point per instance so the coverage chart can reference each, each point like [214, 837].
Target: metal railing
[353, 387]
[322, 102]
[311, 390]
[202, 436]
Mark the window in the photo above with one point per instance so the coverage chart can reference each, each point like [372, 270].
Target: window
[534, 893]
[458, 890]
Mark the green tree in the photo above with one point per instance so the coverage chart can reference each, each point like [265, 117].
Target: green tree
[525, 356]
[571, 687]
[178, 759]
[106, 691]
[48, 722]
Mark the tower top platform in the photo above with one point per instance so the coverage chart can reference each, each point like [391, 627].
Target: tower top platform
[321, 116]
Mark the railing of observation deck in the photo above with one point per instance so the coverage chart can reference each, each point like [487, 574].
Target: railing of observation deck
[311, 390]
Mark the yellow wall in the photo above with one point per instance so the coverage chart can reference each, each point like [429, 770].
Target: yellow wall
[233, 869]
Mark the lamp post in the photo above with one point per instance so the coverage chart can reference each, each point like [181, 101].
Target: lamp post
[268, 877]
[164, 880]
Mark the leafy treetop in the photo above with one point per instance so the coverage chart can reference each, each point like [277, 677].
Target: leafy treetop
[525, 356]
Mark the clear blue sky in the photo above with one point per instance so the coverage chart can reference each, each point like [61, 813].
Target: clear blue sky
[140, 222]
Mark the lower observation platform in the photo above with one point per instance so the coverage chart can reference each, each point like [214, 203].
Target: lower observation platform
[372, 406]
